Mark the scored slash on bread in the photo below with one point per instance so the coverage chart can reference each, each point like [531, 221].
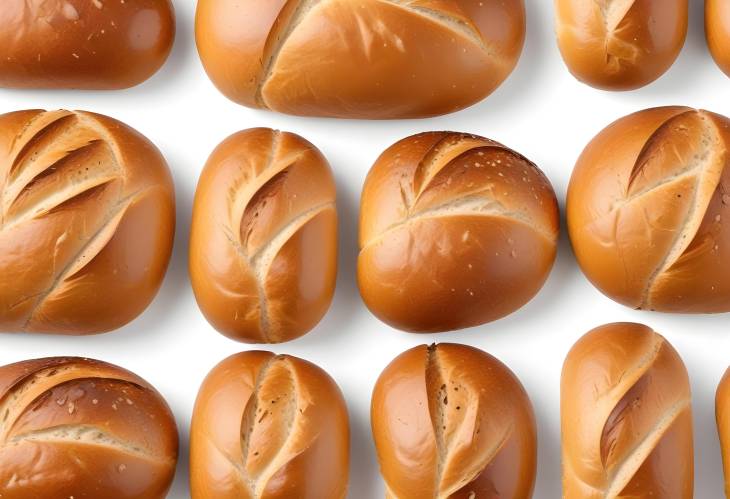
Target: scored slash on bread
[264, 237]
[626, 416]
[86, 209]
[452, 421]
[268, 425]
[79, 427]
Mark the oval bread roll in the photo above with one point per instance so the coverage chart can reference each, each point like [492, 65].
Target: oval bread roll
[263, 242]
[648, 210]
[83, 44]
[359, 58]
[269, 426]
[72, 427]
[717, 29]
[722, 414]
[451, 421]
[87, 218]
[455, 230]
[626, 417]
[620, 44]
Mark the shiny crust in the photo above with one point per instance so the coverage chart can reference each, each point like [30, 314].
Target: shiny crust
[263, 243]
[717, 29]
[72, 427]
[451, 421]
[722, 414]
[648, 210]
[620, 44]
[455, 230]
[83, 44]
[87, 219]
[359, 58]
[269, 426]
[626, 417]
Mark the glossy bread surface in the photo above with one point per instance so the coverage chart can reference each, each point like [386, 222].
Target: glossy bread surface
[722, 415]
[455, 230]
[269, 426]
[451, 421]
[359, 58]
[626, 417]
[83, 44]
[648, 210]
[80, 428]
[263, 244]
[87, 216]
[717, 29]
[620, 44]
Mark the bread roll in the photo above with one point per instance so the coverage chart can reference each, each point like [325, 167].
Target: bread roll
[451, 421]
[717, 29]
[263, 243]
[626, 417]
[87, 216]
[359, 58]
[455, 230]
[269, 426]
[620, 44]
[82, 428]
[722, 413]
[83, 44]
[648, 210]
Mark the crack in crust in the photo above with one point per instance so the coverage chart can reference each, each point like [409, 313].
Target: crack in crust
[272, 410]
[33, 386]
[295, 12]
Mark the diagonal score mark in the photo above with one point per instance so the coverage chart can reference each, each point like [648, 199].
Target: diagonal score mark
[96, 243]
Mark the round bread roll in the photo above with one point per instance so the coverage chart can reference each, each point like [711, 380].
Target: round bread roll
[717, 29]
[83, 428]
[451, 421]
[87, 216]
[455, 230]
[83, 44]
[369, 59]
[620, 44]
[648, 210]
[722, 414]
[263, 243]
[626, 417]
[269, 426]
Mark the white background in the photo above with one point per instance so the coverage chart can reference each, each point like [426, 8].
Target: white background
[540, 111]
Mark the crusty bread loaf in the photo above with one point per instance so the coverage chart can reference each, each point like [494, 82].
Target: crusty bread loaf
[451, 421]
[717, 29]
[626, 417]
[455, 230]
[620, 44]
[87, 216]
[722, 414]
[81, 428]
[648, 210]
[263, 243]
[83, 44]
[269, 426]
[359, 58]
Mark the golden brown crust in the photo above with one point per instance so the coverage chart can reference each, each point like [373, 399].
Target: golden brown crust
[717, 30]
[451, 421]
[87, 219]
[72, 427]
[359, 58]
[722, 415]
[620, 44]
[83, 44]
[455, 230]
[647, 211]
[263, 242]
[269, 426]
[626, 417]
